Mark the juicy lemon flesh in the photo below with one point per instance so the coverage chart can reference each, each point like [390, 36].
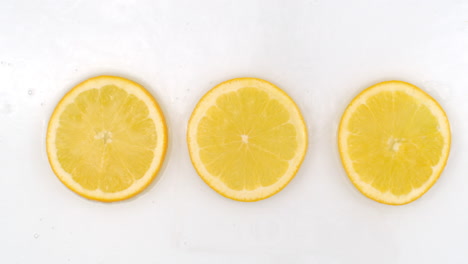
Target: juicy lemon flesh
[396, 144]
[246, 139]
[105, 139]
[397, 152]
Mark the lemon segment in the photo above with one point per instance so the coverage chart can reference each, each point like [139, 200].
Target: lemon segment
[246, 139]
[107, 139]
[394, 141]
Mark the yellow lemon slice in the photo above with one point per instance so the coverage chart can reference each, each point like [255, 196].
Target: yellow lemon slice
[246, 139]
[107, 139]
[394, 142]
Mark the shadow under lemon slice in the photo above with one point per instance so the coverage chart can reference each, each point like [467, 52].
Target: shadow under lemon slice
[247, 139]
[107, 139]
[394, 142]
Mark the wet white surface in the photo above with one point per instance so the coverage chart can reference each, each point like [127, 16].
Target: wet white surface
[320, 52]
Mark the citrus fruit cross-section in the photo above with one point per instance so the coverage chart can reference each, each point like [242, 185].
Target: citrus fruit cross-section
[394, 142]
[107, 139]
[247, 139]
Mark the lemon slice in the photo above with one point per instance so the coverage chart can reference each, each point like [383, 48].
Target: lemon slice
[246, 139]
[107, 139]
[394, 142]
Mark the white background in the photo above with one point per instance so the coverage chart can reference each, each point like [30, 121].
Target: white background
[320, 52]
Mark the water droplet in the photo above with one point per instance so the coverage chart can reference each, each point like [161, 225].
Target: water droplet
[36, 235]
[30, 92]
